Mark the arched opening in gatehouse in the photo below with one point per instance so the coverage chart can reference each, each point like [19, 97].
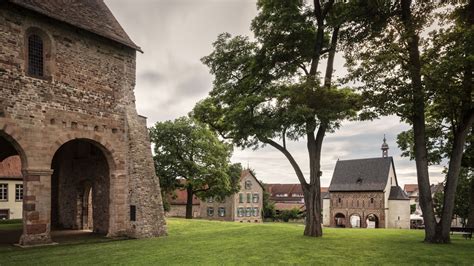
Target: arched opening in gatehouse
[80, 187]
[11, 189]
[355, 221]
[372, 221]
[340, 220]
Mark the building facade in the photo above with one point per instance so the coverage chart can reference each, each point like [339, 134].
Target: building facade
[67, 109]
[11, 189]
[364, 193]
[243, 206]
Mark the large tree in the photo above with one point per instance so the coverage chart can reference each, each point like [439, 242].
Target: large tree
[425, 79]
[269, 90]
[189, 156]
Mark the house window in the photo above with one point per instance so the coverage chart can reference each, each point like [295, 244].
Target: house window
[248, 184]
[248, 212]
[255, 198]
[282, 195]
[241, 197]
[221, 211]
[210, 211]
[19, 192]
[255, 212]
[35, 56]
[4, 192]
[240, 212]
[297, 195]
[210, 199]
[249, 197]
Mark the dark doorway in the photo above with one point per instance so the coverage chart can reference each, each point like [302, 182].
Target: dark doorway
[340, 220]
[80, 188]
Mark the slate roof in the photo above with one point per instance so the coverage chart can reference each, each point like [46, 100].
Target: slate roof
[396, 193]
[90, 15]
[361, 174]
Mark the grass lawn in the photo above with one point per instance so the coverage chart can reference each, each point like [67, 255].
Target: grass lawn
[208, 242]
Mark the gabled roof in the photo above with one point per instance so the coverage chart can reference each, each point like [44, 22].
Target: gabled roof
[11, 168]
[396, 193]
[247, 172]
[90, 15]
[361, 174]
[409, 188]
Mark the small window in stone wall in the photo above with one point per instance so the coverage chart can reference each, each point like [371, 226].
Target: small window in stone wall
[240, 212]
[4, 192]
[221, 211]
[210, 211]
[19, 192]
[255, 212]
[248, 212]
[248, 184]
[255, 198]
[35, 55]
[133, 213]
[249, 198]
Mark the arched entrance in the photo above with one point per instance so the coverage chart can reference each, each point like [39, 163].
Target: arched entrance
[11, 187]
[355, 220]
[340, 220]
[80, 187]
[372, 221]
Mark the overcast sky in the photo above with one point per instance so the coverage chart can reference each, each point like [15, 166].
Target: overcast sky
[175, 34]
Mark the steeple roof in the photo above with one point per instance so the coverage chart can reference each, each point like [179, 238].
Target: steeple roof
[91, 15]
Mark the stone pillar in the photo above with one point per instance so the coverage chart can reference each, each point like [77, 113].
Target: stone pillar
[118, 218]
[36, 207]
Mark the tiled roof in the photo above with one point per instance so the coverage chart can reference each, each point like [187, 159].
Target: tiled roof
[409, 188]
[11, 168]
[361, 174]
[289, 206]
[90, 15]
[180, 198]
[396, 193]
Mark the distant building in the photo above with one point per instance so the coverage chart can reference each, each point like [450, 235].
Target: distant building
[243, 206]
[365, 193]
[11, 189]
[289, 196]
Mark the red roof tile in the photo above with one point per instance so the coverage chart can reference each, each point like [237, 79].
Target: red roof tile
[410, 188]
[11, 167]
[180, 197]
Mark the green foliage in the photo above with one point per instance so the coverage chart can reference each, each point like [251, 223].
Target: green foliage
[287, 215]
[269, 211]
[412, 208]
[462, 200]
[187, 150]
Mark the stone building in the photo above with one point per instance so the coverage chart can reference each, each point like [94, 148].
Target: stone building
[11, 189]
[243, 206]
[365, 193]
[67, 109]
[289, 196]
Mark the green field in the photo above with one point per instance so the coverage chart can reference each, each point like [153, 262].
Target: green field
[205, 242]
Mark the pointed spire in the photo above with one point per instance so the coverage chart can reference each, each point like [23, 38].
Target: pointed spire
[384, 147]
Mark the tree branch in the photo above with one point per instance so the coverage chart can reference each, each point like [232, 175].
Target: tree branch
[290, 158]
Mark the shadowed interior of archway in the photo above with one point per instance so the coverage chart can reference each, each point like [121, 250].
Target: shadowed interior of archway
[80, 188]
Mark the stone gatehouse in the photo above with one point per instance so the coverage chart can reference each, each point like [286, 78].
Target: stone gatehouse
[67, 109]
[364, 193]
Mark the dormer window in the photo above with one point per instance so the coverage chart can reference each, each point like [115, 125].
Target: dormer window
[35, 55]
[248, 184]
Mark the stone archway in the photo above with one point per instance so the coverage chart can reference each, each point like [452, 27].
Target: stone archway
[12, 158]
[340, 220]
[80, 186]
[355, 220]
[372, 221]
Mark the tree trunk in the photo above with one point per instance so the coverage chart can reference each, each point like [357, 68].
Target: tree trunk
[189, 202]
[418, 120]
[312, 198]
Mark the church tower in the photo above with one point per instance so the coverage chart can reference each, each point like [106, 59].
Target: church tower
[384, 147]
